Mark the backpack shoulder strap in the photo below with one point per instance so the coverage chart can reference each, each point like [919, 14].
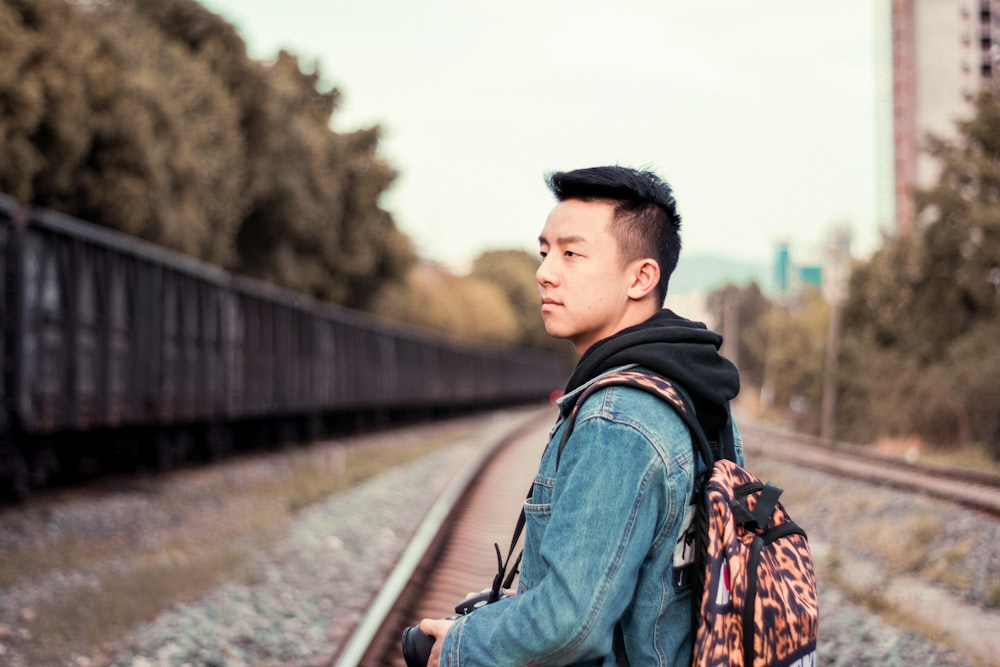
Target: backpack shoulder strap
[657, 386]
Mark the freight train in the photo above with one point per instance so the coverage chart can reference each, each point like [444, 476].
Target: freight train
[117, 353]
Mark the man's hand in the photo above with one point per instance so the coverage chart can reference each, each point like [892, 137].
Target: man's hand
[437, 628]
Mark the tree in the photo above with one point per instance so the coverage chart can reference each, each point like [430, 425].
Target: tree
[748, 306]
[922, 316]
[42, 90]
[463, 308]
[513, 272]
[149, 117]
[794, 355]
[313, 220]
[122, 131]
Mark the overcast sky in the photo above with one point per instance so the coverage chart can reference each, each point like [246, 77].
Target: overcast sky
[761, 115]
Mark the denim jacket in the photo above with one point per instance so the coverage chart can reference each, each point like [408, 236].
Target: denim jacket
[601, 536]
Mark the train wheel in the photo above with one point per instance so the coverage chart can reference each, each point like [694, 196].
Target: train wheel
[71, 461]
[166, 451]
[43, 463]
[123, 453]
[15, 485]
[216, 442]
[286, 432]
[312, 428]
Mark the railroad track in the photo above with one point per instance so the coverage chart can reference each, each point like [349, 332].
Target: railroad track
[980, 491]
[452, 553]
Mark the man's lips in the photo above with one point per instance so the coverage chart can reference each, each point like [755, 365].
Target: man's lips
[549, 304]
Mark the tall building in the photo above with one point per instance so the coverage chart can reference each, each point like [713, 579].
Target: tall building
[936, 55]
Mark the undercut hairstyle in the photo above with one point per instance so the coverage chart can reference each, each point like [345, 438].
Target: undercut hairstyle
[646, 223]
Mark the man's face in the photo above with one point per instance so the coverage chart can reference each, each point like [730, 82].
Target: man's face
[581, 281]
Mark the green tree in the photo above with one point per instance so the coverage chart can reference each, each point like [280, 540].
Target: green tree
[881, 357]
[108, 122]
[463, 308]
[149, 117]
[748, 306]
[313, 220]
[372, 250]
[42, 91]
[923, 314]
[513, 272]
[794, 355]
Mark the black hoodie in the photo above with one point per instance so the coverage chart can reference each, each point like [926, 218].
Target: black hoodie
[681, 350]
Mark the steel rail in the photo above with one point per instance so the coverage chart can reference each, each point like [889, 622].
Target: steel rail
[974, 489]
[425, 543]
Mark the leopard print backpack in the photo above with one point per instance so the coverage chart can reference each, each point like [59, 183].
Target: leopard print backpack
[758, 604]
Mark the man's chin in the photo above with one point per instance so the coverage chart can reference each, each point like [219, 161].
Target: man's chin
[556, 332]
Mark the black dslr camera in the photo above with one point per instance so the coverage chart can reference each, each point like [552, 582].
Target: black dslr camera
[417, 645]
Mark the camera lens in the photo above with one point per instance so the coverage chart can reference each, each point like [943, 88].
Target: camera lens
[416, 647]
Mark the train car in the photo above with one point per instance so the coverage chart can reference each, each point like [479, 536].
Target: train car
[10, 465]
[120, 353]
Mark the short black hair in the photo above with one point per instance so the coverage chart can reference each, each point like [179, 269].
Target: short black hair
[646, 222]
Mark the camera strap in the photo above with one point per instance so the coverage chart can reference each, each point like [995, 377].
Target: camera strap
[505, 579]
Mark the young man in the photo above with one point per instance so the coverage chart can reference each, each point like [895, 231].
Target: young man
[604, 538]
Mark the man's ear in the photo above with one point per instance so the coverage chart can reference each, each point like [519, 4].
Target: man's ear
[645, 278]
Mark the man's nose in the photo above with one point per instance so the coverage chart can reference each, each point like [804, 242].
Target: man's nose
[544, 274]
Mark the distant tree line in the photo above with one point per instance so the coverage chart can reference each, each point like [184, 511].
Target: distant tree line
[496, 302]
[919, 350]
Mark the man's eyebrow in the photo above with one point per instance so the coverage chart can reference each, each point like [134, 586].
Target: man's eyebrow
[564, 240]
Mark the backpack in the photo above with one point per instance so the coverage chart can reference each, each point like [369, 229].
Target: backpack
[758, 604]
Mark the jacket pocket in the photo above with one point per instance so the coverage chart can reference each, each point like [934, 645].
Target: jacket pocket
[537, 512]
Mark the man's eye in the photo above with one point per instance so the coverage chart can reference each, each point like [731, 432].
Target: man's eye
[542, 254]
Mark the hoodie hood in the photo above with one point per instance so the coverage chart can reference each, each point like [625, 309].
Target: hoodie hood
[681, 350]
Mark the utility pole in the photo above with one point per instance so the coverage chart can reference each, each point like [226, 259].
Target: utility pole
[731, 324]
[836, 290]
[782, 284]
[994, 65]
